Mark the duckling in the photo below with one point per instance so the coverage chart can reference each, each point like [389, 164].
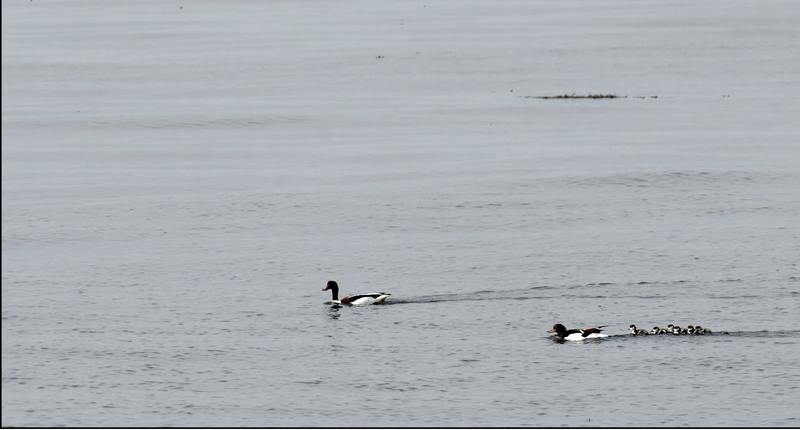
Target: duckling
[701, 330]
[638, 331]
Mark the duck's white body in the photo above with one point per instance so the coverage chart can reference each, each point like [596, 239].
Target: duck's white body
[580, 336]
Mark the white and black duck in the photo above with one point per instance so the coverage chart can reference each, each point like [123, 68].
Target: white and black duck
[577, 333]
[356, 300]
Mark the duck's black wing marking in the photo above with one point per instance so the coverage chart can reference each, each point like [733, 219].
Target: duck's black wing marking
[361, 296]
[588, 331]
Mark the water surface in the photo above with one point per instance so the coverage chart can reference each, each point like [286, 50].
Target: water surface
[180, 180]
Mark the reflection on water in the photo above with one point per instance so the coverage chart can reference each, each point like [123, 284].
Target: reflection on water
[333, 311]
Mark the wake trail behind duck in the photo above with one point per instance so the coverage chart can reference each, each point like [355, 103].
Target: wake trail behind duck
[464, 297]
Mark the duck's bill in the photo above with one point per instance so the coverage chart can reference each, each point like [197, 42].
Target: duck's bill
[325, 289]
[552, 330]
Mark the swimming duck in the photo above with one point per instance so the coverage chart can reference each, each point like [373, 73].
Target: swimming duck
[577, 333]
[673, 329]
[701, 330]
[638, 331]
[657, 330]
[358, 300]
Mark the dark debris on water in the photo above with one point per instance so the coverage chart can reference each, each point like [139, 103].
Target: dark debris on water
[586, 96]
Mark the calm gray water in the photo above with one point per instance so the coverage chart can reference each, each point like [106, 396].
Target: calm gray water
[180, 180]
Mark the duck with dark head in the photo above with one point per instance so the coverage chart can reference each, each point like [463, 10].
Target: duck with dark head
[357, 300]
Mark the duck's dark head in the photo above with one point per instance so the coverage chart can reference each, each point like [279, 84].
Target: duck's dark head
[558, 328]
[334, 287]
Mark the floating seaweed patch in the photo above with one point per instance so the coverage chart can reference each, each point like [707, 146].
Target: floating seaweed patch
[586, 96]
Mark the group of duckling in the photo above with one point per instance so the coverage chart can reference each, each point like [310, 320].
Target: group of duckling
[670, 329]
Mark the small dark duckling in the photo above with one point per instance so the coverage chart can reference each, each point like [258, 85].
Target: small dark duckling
[657, 330]
[701, 330]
